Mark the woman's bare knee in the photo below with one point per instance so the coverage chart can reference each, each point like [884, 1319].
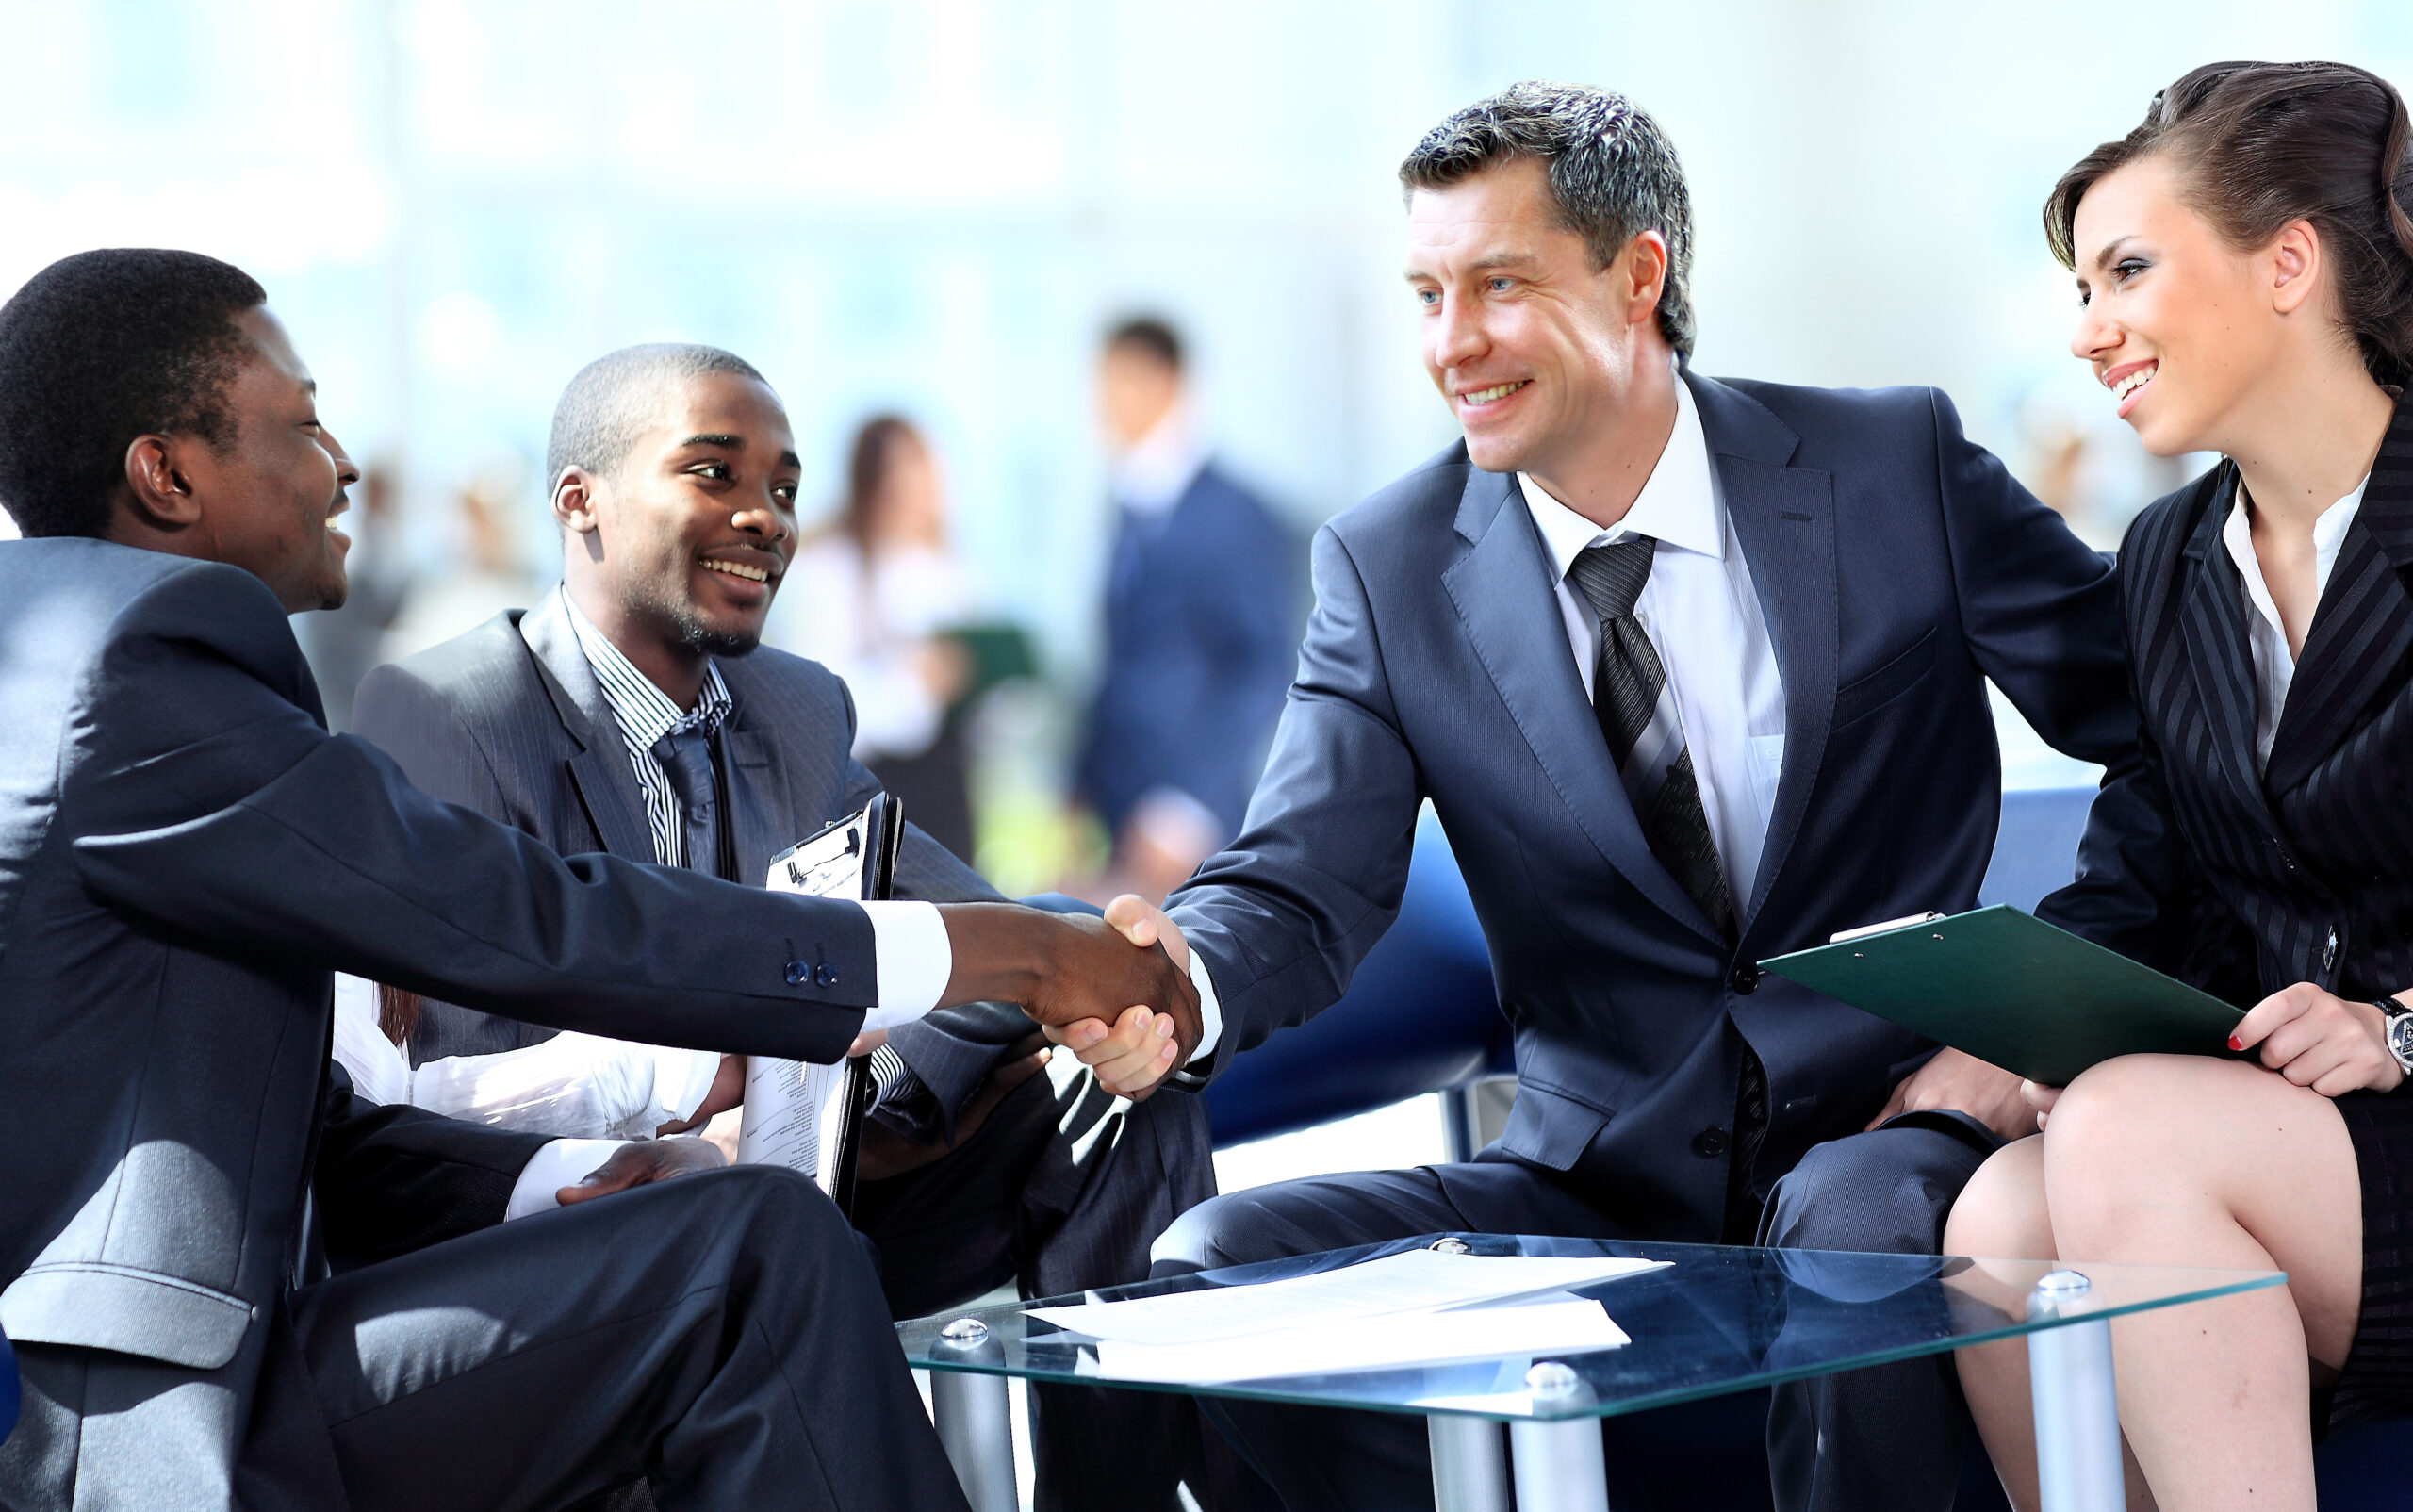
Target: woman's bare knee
[2001, 1214]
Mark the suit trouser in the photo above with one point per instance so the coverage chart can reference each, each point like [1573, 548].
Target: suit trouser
[1325, 1460]
[717, 1332]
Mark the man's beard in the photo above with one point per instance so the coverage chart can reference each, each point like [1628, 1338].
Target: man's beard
[697, 637]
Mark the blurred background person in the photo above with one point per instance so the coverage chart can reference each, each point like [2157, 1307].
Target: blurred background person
[485, 569]
[1202, 611]
[871, 596]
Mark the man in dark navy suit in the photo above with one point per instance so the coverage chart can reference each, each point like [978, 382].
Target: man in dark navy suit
[1692, 673]
[229, 1281]
[1202, 623]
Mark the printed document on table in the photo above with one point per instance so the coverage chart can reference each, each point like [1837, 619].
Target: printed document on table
[1414, 1281]
[1573, 1327]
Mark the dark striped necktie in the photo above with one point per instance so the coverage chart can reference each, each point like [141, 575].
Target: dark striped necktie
[1637, 715]
[686, 758]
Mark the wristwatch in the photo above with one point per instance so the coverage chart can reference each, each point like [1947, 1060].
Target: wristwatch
[2400, 1031]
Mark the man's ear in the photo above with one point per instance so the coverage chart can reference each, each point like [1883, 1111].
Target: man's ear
[1646, 275]
[162, 489]
[577, 493]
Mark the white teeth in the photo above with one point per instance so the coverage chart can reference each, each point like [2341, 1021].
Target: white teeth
[1485, 396]
[735, 569]
[2135, 381]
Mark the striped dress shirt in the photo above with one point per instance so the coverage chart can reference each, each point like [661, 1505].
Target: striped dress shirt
[645, 714]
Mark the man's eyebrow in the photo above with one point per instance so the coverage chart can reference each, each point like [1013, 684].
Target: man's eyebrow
[789, 459]
[713, 438]
[310, 386]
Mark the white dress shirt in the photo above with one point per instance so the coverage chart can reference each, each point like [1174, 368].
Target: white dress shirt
[911, 955]
[1704, 617]
[2274, 667]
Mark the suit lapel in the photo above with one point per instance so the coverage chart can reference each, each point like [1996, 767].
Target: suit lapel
[1506, 597]
[2362, 630]
[759, 816]
[599, 770]
[2212, 624]
[1784, 521]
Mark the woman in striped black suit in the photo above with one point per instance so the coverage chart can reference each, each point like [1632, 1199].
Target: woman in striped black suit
[2245, 264]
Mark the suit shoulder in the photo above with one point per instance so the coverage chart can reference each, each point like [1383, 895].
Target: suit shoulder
[469, 659]
[1425, 497]
[1812, 411]
[797, 681]
[2161, 530]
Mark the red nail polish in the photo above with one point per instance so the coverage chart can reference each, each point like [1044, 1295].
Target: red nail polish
[2235, 1043]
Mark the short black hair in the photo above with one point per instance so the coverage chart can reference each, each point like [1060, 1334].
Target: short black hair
[611, 401]
[98, 349]
[1151, 334]
[1613, 175]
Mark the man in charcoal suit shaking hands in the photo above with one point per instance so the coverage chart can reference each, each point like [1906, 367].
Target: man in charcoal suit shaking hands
[1692, 673]
[229, 1281]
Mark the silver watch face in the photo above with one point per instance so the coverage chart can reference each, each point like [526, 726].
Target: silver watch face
[2400, 1039]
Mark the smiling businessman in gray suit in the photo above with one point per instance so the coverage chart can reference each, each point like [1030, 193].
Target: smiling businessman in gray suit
[675, 481]
[1692, 673]
[186, 854]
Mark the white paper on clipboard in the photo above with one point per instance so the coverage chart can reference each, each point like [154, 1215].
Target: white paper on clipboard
[799, 1114]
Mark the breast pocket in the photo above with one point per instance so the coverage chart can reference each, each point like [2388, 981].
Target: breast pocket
[1896, 676]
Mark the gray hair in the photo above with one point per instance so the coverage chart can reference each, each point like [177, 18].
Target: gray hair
[1613, 173]
[613, 398]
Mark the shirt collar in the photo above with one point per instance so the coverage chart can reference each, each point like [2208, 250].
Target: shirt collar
[2328, 534]
[1152, 476]
[645, 711]
[1677, 505]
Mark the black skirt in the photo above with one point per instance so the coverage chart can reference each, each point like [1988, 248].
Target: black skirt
[2377, 1380]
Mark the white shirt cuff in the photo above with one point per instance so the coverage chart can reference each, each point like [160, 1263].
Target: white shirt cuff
[1210, 1008]
[554, 1166]
[913, 960]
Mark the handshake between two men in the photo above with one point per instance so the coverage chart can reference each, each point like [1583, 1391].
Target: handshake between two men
[1106, 990]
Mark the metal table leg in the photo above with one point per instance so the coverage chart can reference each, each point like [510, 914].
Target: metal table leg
[1559, 1467]
[1469, 1466]
[2078, 1411]
[974, 1422]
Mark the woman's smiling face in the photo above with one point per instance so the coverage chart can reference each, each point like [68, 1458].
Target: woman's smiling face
[2177, 324]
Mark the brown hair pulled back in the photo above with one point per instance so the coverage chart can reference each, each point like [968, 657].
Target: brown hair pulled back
[869, 462]
[2257, 145]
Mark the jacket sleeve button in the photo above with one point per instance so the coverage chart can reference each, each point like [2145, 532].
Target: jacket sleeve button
[824, 975]
[798, 973]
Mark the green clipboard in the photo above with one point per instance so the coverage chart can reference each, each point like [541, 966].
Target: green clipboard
[2009, 988]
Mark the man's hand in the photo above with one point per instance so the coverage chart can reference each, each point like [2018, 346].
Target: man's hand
[2321, 1040]
[1137, 1051]
[633, 1165]
[1064, 968]
[1962, 1083]
[885, 1153]
[1144, 923]
[1130, 1057]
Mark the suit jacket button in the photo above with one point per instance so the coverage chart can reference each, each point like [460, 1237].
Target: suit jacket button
[1710, 1144]
[824, 975]
[1746, 979]
[798, 973]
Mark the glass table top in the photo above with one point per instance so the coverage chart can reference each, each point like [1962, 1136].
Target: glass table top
[1713, 1319]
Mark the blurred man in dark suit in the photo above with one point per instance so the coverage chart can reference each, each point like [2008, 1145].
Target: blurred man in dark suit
[1202, 621]
[186, 853]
